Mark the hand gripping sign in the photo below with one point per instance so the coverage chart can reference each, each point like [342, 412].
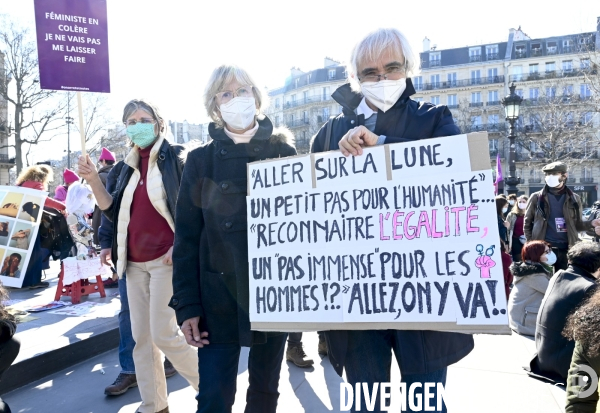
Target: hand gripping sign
[403, 237]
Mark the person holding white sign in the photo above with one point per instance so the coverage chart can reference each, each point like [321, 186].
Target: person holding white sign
[210, 258]
[377, 109]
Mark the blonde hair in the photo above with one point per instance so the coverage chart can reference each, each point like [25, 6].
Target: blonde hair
[221, 77]
[375, 44]
[37, 173]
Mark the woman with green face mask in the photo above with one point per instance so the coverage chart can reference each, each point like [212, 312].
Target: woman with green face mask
[142, 208]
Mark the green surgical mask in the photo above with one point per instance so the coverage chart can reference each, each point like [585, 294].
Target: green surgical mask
[142, 134]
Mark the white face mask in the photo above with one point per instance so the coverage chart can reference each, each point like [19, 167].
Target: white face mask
[504, 210]
[385, 93]
[239, 112]
[511, 203]
[522, 205]
[551, 258]
[553, 181]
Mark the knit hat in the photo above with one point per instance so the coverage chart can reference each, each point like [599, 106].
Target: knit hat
[107, 155]
[69, 176]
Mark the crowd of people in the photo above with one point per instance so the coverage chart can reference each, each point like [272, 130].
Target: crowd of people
[171, 222]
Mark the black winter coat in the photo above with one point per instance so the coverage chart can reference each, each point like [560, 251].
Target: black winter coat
[210, 254]
[567, 291]
[170, 165]
[421, 351]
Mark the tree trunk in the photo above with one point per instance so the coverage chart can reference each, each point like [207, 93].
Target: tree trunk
[18, 142]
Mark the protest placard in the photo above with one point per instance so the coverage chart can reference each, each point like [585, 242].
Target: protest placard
[20, 216]
[72, 42]
[403, 237]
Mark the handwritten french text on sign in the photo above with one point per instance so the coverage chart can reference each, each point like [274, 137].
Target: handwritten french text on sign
[404, 236]
[72, 41]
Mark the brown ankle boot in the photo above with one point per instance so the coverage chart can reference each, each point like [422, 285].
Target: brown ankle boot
[123, 383]
[169, 369]
[296, 355]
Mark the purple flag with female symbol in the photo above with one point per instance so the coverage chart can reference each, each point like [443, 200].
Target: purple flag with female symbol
[72, 42]
[499, 177]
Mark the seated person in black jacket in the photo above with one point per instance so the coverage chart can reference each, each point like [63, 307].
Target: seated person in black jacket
[566, 291]
[9, 345]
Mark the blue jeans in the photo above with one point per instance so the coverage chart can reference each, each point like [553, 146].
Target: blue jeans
[218, 368]
[369, 360]
[126, 342]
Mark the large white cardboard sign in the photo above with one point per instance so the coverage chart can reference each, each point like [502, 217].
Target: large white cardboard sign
[403, 237]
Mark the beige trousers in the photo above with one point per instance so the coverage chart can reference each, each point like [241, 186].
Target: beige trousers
[154, 328]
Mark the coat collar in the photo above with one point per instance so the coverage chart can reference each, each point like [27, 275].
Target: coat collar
[264, 132]
[349, 99]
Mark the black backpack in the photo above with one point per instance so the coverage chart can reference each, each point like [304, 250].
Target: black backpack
[54, 234]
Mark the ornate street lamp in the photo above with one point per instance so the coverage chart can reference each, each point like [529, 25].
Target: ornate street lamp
[512, 104]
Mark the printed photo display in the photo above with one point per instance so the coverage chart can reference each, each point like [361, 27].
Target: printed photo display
[404, 236]
[20, 215]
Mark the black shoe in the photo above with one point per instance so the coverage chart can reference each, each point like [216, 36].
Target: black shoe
[41, 284]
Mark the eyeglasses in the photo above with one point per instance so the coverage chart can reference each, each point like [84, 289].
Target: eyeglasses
[392, 74]
[143, 121]
[226, 95]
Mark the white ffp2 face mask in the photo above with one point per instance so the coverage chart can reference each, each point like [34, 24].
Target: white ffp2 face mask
[239, 112]
[385, 93]
[522, 205]
[551, 258]
[553, 181]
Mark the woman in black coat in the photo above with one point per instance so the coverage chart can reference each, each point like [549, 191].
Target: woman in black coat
[210, 256]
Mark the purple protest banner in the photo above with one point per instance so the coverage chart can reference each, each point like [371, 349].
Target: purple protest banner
[72, 41]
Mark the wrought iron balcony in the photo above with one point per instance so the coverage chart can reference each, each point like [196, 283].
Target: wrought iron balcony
[494, 103]
[520, 54]
[297, 123]
[535, 180]
[4, 158]
[536, 52]
[488, 80]
[492, 56]
[475, 58]
[435, 63]
[588, 180]
[455, 106]
[475, 104]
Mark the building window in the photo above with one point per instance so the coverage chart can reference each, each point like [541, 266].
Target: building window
[493, 97]
[551, 91]
[418, 82]
[452, 79]
[492, 75]
[567, 65]
[584, 91]
[584, 64]
[305, 96]
[332, 74]
[476, 97]
[435, 59]
[435, 100]
[452, 101]
[520, 51]
[475, 77]
[418, 99]
[493, 119]
[568, 90]
[568, 46]
[305, 116]
[586, 118]
[325, 93]
[277, 103]
[491, 52]
[550, 67]
[293, 99]
[325, 114]
[551, 48]
[476, 123]
[493, 147]
[517, 73]
[519, 92]
[475, 54]
[435, 81]
[534, 68]
[297, 80]
[276, 120]
[534, 93]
